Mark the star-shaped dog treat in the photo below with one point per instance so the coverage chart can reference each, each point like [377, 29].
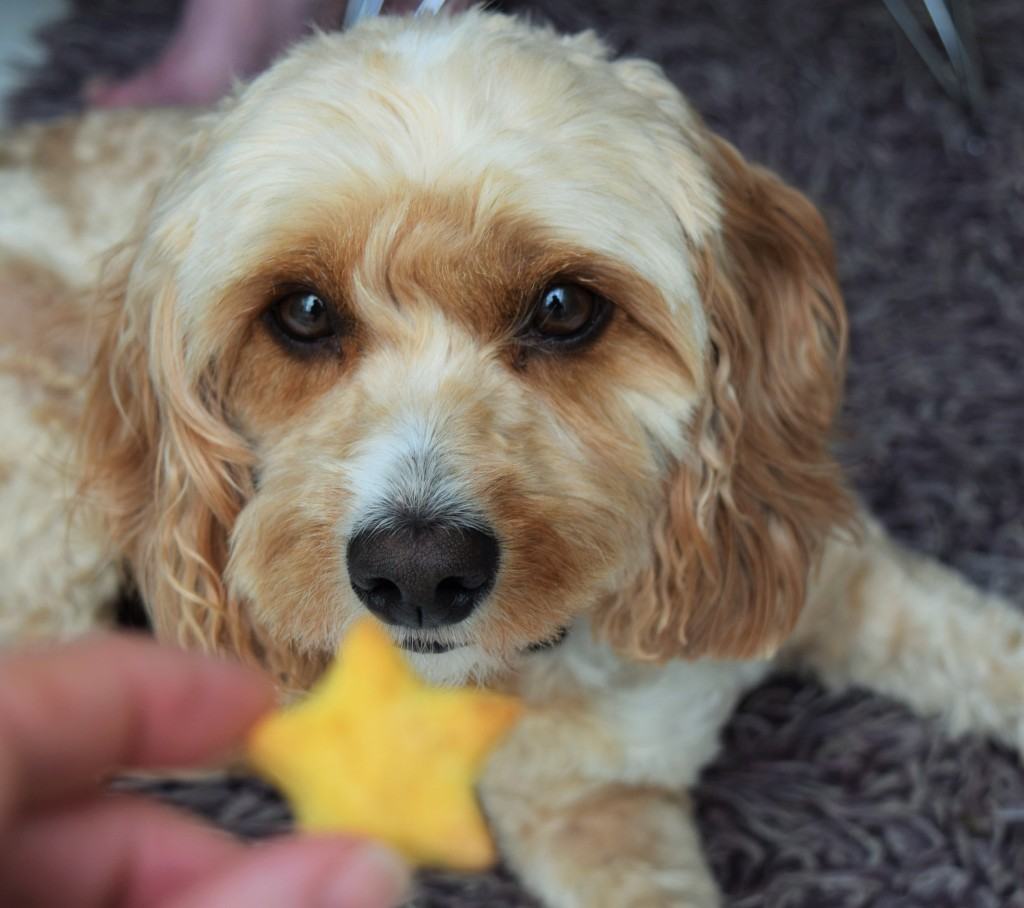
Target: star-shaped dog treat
[376, 752]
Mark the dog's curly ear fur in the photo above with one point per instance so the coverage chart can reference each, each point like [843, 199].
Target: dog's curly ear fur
[745, 522]
[157, 461]
[163, 467]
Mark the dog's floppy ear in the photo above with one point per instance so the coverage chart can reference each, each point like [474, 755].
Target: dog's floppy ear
[156, 460]
[745, 520]
[162, 465]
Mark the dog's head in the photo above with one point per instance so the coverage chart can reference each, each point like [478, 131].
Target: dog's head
[465, 324]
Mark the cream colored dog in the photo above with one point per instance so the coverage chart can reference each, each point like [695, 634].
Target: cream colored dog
[467, 325]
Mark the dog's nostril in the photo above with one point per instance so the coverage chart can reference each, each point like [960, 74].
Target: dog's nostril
[373, 584]
[454, 593]
[462, 584]
[381, 591]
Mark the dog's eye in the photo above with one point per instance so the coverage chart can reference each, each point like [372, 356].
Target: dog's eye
[302, 317]
[567, 314]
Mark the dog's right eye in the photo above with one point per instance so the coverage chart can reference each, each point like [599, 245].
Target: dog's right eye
[566, 315]
[302, 317]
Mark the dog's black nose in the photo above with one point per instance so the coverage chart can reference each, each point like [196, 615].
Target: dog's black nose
[422, 576]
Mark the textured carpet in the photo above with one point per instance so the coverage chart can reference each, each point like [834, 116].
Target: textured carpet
[821, 800]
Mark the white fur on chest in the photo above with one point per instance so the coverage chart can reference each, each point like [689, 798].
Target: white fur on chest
[666, 719]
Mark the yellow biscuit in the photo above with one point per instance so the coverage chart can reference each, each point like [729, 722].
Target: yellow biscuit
[376, 752]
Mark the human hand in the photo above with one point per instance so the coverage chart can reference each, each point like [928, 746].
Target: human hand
[72, 715]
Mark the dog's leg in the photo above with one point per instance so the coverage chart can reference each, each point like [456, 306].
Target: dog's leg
[578, 842]
[71, 189]
[587, 797]
[58, 577]
[906, 626]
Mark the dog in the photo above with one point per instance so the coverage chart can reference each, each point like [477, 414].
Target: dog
[472, 327]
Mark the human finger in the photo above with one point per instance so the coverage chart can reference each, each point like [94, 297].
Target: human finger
[113, 849]
[306, 873]
[71, 714]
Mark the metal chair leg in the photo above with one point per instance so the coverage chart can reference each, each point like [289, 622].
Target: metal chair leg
[959, 71]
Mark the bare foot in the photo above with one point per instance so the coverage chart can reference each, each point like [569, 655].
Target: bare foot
[221, 40]
[216, 42]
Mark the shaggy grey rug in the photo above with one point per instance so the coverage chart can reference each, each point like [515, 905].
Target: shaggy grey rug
[819, 800]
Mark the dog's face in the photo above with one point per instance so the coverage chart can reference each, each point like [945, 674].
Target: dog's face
[447, 322]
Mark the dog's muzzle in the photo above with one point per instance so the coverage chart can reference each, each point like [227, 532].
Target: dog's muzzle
[423, 575]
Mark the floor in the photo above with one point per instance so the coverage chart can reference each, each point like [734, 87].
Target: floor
[19, 21]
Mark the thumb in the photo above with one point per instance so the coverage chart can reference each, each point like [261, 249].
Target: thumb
[305, 873]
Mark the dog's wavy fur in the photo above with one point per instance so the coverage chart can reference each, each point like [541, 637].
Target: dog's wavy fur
[171, 474]
[667, 494]
[744, 526]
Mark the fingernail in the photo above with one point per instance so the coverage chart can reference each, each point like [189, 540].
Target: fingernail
[373, 877]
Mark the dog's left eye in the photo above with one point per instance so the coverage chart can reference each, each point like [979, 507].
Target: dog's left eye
[567, 313]
[302, 317]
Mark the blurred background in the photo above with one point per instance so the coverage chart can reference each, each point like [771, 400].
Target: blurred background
[817, 799]
[19, 22]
